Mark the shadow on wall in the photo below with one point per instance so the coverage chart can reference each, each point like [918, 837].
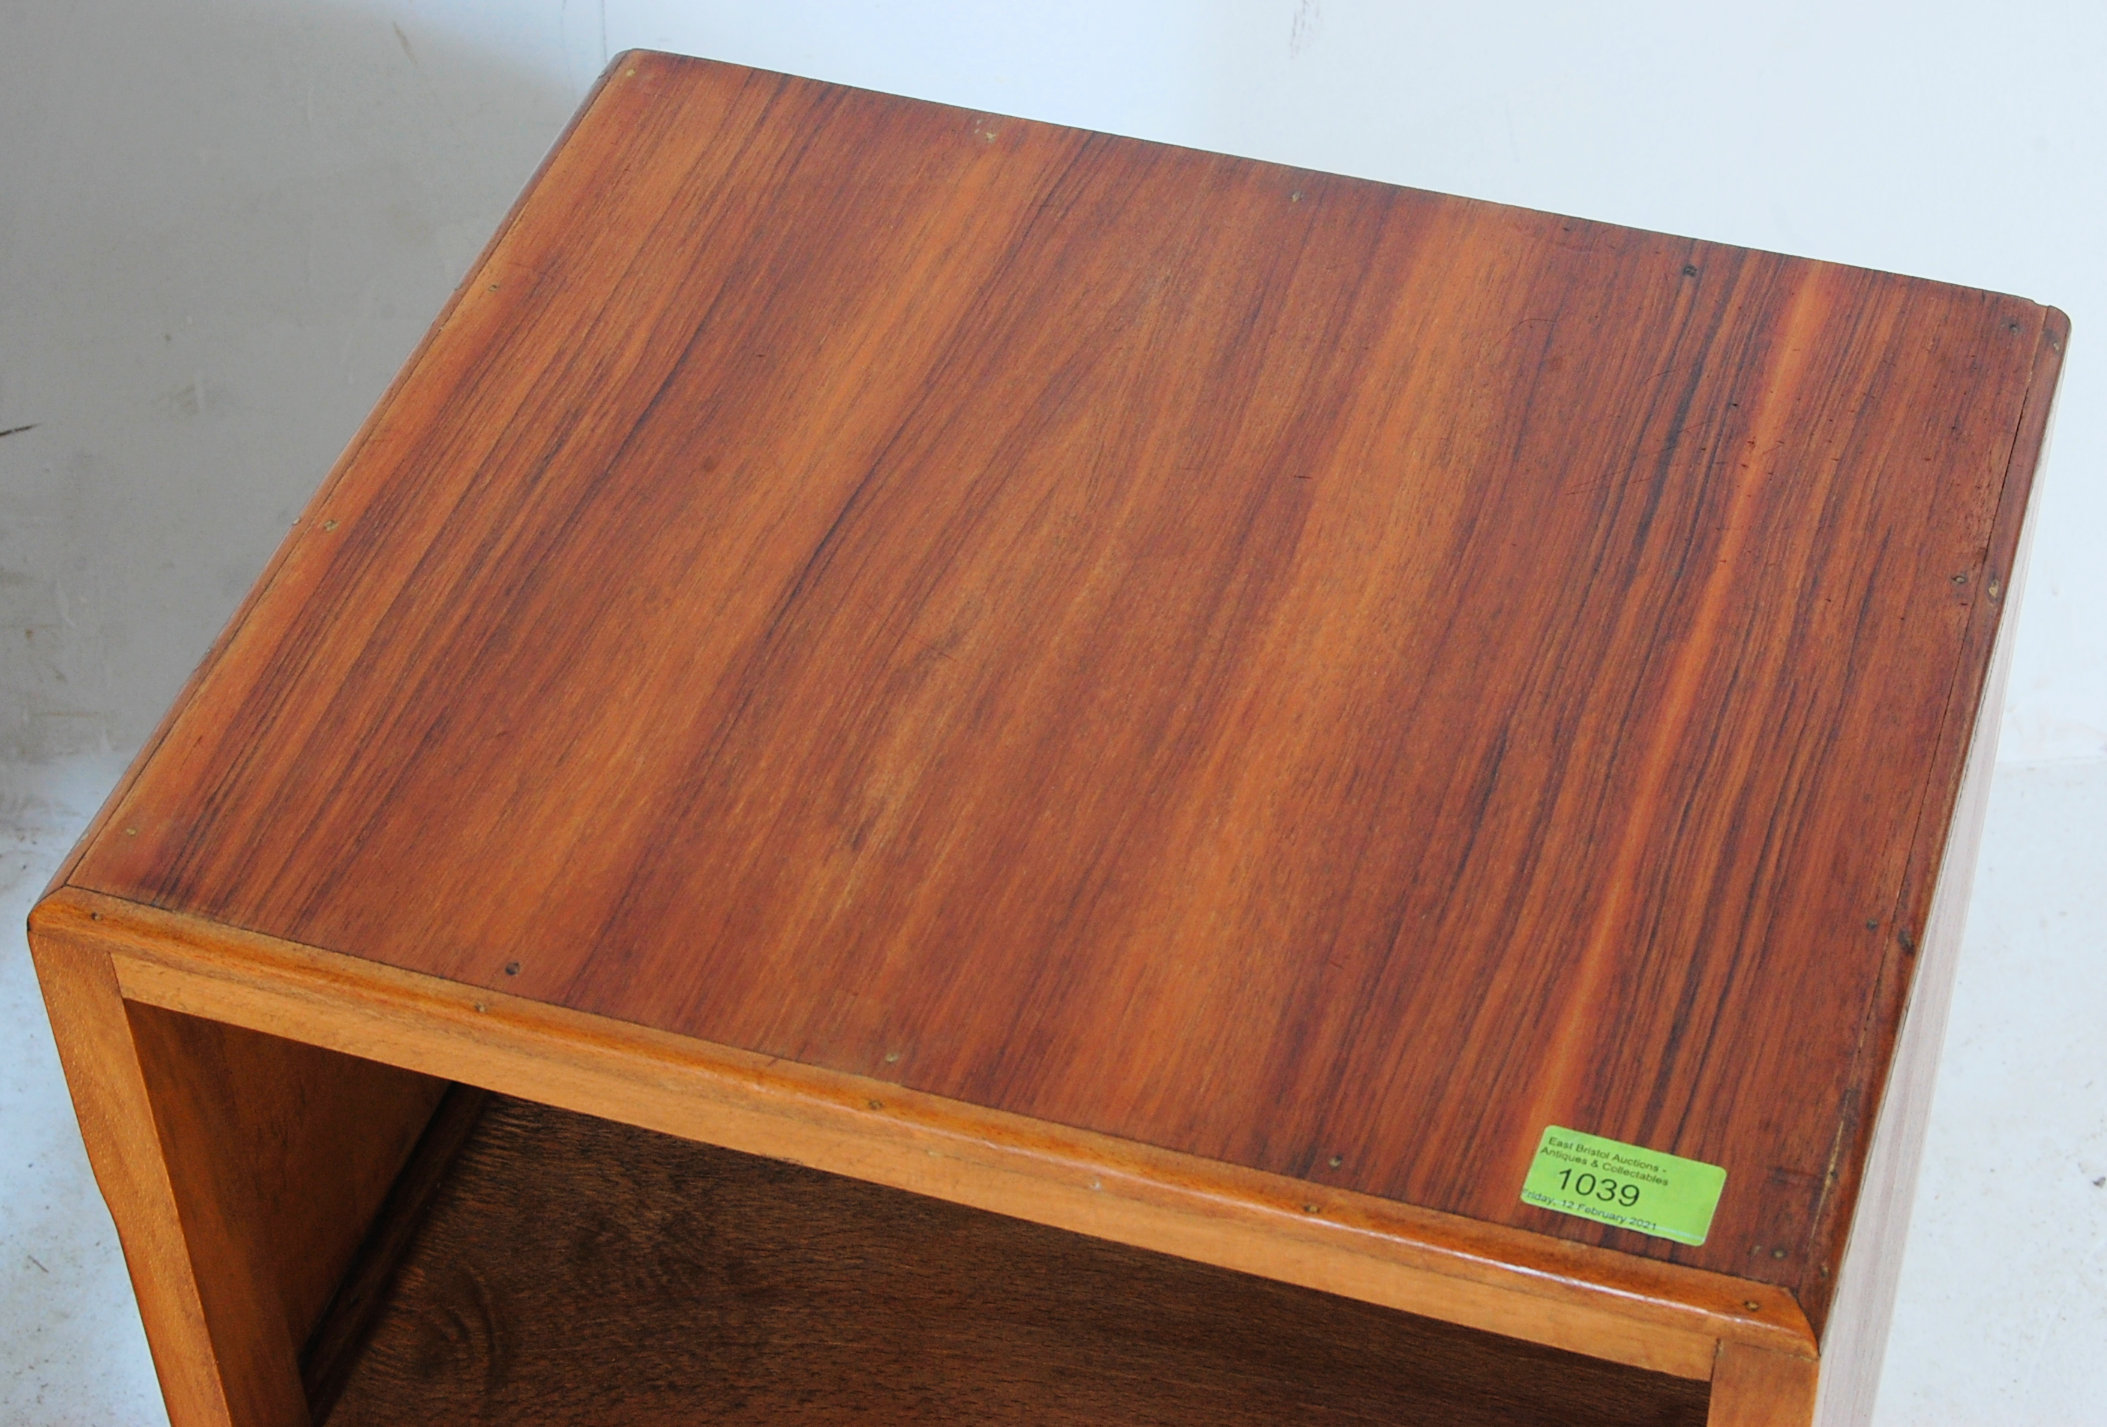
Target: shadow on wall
[222, 228]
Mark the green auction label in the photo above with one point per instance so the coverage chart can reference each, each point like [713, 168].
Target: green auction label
[1615, 1183]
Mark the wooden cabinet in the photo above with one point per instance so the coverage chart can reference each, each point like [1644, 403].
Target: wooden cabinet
[1136, 725]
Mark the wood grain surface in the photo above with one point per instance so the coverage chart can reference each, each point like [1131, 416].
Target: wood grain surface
[218, 1338]
[1308, 674]
[575, 1271]
[241, 1170]
[1754, 1388]
[1855, 1338]
[337, 1335]
[300, 1145]
[1516, 1283]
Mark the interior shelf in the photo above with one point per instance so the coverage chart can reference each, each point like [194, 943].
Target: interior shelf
[544, 1267]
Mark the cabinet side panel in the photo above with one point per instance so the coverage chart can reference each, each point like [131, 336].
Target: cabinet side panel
[302, 1142]
[216, 1333]
[242, 1171]
[1854, 1336]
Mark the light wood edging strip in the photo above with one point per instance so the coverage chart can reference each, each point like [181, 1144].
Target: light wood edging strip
[1754, 1388]
[1651, 1315]
[219, 1361]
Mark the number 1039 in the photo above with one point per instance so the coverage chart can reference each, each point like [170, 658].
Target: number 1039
[1598, 1186]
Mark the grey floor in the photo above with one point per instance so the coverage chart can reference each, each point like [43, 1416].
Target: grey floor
[2003, 1312]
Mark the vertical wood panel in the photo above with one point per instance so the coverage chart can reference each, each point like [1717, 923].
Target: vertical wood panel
[301, 1143]
[212, 1317]
[241, 1171]
[1854, 1340]
[1755, 1388]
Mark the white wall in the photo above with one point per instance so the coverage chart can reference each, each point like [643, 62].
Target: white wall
[223, 225]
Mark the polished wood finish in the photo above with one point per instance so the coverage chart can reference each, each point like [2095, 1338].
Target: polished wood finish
[1658, 1316]
[241, 1169]
[1754, 1387]
[1175, 698]
[1856, 1337]
[1274, 666]
[221, 1354]
[340, 1333]
[302, 1143]
[575, 1271]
